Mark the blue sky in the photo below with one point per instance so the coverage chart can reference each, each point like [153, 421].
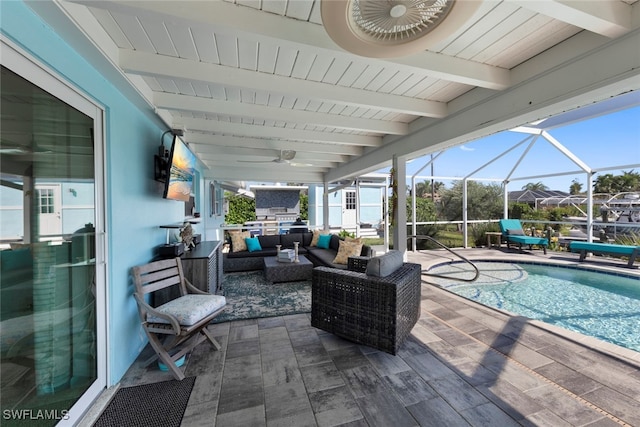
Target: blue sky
[605, 141]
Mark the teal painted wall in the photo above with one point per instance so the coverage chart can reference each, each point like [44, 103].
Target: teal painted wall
[134, 206]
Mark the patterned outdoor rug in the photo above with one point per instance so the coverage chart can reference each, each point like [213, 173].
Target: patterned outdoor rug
[158, 404]
[250, 296]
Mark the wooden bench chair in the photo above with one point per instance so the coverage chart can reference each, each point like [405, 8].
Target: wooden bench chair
[177, 326]
[605, 249]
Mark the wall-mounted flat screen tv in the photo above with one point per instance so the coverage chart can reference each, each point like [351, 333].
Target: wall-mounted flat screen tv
[181, 170]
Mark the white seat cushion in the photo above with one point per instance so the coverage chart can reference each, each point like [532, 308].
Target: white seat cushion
[189, 309]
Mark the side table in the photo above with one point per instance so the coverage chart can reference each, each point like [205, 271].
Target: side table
[490, 235]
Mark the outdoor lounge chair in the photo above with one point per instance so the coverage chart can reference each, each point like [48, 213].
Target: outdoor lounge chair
[375, 302]
[605, 249]
[177, 326]
[512, 232]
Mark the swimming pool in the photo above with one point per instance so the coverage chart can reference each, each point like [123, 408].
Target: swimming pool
[604, 306]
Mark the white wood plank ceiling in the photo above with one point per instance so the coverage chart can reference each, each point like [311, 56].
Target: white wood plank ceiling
[248, 78]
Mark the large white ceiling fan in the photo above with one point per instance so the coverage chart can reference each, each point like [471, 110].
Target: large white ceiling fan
[285, 157]
[393, 28]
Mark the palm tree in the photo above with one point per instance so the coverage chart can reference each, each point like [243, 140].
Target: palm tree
[424, 188]
[609, 183]
[629, 181]
[535, 186]
[575, 187]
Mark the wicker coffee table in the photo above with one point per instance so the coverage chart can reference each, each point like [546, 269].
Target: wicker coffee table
[275, 271]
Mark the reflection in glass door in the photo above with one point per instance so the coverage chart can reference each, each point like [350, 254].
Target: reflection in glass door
[48, 203]
[48, 286]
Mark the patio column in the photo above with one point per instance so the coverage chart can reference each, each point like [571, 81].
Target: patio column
[465, 218]
[385, 211]
[400, 221]
[414, 228]
[325, 206]
[589, 207]
[357, 208]
[505, 203]
[29, 217]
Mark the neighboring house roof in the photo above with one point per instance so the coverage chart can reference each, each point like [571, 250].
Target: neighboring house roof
[530, 196]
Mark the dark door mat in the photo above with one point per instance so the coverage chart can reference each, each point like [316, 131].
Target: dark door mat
[158, 404]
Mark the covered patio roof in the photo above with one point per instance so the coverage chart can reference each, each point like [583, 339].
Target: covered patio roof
[249, 80]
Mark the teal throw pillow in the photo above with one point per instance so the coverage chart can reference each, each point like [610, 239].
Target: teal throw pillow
[324, 240]
[253, 244]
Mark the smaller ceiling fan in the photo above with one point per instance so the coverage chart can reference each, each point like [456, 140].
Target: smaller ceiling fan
[286, 157]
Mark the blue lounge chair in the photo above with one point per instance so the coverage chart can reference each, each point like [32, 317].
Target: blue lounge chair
[512, 233]
[605, 249]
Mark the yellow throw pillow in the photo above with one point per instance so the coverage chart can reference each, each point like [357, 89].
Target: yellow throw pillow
[346, 250]
[316, 235]
[238, 243]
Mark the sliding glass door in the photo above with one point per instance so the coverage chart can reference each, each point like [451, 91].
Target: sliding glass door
[51, 224]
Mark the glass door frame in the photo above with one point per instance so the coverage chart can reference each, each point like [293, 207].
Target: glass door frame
[23, 64]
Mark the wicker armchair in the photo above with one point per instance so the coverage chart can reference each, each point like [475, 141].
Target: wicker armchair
[375, 311]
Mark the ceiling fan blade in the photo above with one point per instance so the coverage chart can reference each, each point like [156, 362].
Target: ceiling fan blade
[285, 157]
[256, 161]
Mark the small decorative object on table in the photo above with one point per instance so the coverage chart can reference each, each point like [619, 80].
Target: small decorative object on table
[186, 234]
[278, 249]
[295, 249]
[286, 255]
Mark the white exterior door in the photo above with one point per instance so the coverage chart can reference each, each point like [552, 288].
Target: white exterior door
[49, 212]
[349, 202]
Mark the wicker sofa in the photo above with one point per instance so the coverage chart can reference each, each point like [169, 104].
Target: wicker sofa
[375, 302]
[248, 261]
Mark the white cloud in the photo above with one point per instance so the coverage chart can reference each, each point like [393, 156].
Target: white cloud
[465, 148]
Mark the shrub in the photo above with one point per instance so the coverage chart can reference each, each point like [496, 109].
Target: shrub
[632, 239]
[478, 231]
[519, 210]
[344, 233]
[425, 230]
[241, 209]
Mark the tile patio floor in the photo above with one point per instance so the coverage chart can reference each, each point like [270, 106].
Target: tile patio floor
[463, 365]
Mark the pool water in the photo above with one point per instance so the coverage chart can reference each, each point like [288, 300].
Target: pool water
[604, 306]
